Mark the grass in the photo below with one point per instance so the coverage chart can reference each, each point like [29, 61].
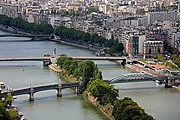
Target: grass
[144, 61]
[170, 65]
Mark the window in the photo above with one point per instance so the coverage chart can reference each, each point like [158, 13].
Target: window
[159, 51]
[149, 50]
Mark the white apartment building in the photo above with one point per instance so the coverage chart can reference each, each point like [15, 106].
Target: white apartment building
[161, 16]
[142, 38]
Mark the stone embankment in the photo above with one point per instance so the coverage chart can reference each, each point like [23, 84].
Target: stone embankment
[138, 70]
[106, 110]
[75, 44]
[54, 68]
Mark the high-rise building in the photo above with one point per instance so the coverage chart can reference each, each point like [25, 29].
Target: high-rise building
[161, 16]
[134, 45]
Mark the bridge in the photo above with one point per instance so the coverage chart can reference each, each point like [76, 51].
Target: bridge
[23, 35]
[32, 90]
[47, 60]
[99, 58]
[135, 77]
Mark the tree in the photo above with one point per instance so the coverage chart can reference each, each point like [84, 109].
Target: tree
[4, 115]
[160, 57]
[13, 115]
[104, 92]
[127, 109]
[8, 100]
[86, 37]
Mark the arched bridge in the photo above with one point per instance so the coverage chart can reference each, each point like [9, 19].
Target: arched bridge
[45, 87]
[134, 77]
[31, 90]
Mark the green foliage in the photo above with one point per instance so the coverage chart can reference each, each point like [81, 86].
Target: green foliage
[144, 61]
[127, 109]
[125, 54]
[26, 26]
[86, 70]
[104, 92]
[4, 115]
[8, 114]
[160, 57]
[73, 34]
[170, 65]
[176, 59]
[8, 100]
[13, 115]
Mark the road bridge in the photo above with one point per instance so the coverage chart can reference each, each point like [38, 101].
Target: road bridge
[98, 58]
[46, 60]
[32, 90]
[23, 35]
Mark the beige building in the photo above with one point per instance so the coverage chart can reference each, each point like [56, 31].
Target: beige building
[153, 47]
[11, 10]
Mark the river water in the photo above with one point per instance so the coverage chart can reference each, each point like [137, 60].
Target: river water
[158, 101]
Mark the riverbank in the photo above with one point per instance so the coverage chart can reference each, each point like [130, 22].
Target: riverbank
[11, 30]
[55, 68]
[74, 44]
[176, 87]
[138, 70]
[106, 110]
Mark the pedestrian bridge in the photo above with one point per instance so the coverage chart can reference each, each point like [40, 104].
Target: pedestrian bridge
[134, 77]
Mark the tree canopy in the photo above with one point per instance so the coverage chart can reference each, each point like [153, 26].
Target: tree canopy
[127, 109]
[104, 92]
[83, 71]
[8, 114]
[26, 26]
[113, 46]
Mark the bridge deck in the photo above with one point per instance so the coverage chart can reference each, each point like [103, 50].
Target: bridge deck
[20, 35]
[99, 58]
[26, 59]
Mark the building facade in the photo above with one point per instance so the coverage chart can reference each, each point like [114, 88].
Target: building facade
[134, 45]
[153, 47]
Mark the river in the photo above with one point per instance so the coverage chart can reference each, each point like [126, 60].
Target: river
[158, 101]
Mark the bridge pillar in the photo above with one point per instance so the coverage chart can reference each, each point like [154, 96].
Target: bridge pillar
[123, 62]
[79, 90]
[31, 94]
[59, 93]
